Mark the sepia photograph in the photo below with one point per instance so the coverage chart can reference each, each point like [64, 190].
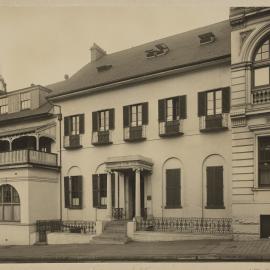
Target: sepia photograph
[135, 132]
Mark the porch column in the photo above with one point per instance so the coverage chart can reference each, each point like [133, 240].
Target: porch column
[138, 193]
[109, 195]
[116, 195]
[37, 142]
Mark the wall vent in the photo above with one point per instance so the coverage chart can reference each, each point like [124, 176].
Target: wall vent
[207, 38]
[160, 49]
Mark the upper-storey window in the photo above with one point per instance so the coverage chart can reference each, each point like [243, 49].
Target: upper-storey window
[3, 105]
[25, 101]
[261, 65]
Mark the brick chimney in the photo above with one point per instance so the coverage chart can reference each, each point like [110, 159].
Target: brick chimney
[96, 52]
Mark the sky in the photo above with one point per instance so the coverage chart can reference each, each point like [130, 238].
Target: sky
[42, 40]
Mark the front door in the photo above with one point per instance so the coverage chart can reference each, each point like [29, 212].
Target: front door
[265, 226]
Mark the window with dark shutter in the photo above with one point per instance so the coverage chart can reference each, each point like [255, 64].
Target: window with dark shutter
[173, 186]
[201, 103]
[81, 124]
[113, 189]
[264, 161]
[161, 110]
[94, 121]
[226, 100]
[95, 190]
[66, 126]
[67, 192]
[214, 175]
[111, 119]
[145, 113]
[183, 107]
[103, 190]
[126, 116]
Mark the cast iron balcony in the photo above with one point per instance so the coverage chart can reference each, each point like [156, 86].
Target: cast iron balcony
[171, 128]
[214, 122]
[73, 141]
[136, 133]
[102, 137]
[26, 156]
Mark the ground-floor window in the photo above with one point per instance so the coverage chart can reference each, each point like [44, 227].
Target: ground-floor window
[99, 187]
[73, 192]
[264, 161]
[214, 176]
[265, 226]
[173, 188]
[9, 204]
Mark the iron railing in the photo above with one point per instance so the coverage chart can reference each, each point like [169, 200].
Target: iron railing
[118, 213]
[186, 225]
[102, 137]
[45, 226]
[171, 128]
[28, 156]
[135, 133]
[214, 122]
[73, 141]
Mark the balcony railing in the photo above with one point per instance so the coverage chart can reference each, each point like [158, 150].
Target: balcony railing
[136, 133]
[214, 122]
[73, 141]
[261, 96]
[102, 137]
[28, 156]
[171, 128]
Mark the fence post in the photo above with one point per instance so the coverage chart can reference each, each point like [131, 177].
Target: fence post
[131, 229]
[99, 227]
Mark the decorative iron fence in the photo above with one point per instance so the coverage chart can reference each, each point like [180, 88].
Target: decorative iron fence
[186, 225]
[44, 226]
[118, 213]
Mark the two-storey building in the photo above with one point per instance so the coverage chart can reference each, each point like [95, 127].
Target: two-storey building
[29, 169]
[147, 131]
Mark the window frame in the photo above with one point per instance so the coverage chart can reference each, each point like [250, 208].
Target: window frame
[137, 113]
[25, 99]
[72, 193]
[174, 109]
[106, 120]
[4, 105]
[214, 102]
[179, 205]
[261, 63]
[77, 128]
[11, 203]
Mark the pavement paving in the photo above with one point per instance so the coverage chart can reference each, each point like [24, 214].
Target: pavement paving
[196, 250]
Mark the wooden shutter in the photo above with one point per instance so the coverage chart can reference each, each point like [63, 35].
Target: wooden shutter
[162, 110]
[183, 107]
[80, 190]
[111, 119]
[94, 121]
[202, 104]
[145, 113]
[173, 199]
[66, 126]
[66, 189]
[126, 116]
[81, 124]
[113, 189]
[95, 190]
[214, 176]
[226, 100]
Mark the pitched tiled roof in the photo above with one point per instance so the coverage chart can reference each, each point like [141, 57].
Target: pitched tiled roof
[43, 110]
[184, 50]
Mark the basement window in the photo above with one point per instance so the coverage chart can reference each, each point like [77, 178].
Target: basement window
[207, 38]
[160, 49]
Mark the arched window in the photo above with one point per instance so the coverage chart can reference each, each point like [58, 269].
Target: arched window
[261, 64]
[9, 204]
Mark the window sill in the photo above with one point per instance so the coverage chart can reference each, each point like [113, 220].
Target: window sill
[215, 129]
[171, 134]
[73, 147]
[215, 207]
[101, 143]
[135, 140]
[75, 208]
[173, 207]
[261, 189]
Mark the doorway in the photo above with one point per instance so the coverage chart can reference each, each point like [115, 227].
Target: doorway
[265, 226]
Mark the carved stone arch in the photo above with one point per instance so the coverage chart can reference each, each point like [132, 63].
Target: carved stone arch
[101, 168]
[252, 41]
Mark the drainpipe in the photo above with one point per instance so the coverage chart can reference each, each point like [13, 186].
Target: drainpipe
[59, 117]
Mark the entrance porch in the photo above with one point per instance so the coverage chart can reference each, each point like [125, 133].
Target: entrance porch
[132, 176]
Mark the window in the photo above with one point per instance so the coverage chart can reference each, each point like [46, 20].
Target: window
[103, 120]
[265, 226]
[9, 204]
[173, 188]
[214, 177]
[25, 101]
[3, 105]
[261, 65]
[73, 192]
[99, 188]
[135, 118]
[171, 109]
[264, 161]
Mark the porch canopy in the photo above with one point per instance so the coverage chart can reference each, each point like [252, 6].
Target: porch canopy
[134, 162]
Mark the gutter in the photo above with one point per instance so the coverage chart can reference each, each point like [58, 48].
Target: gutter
[110, 85]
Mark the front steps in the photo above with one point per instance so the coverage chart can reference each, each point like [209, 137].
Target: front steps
[114, 232]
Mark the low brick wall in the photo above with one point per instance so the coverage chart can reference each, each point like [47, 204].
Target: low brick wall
[68, 238]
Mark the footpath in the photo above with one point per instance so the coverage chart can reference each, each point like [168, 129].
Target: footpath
[205, 250]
